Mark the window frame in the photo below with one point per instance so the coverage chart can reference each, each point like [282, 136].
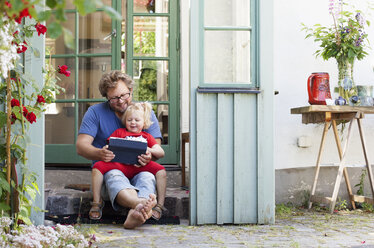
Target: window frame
[254, 50]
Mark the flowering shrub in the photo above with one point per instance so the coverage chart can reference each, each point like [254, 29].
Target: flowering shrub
[43, 236]
[23, 98]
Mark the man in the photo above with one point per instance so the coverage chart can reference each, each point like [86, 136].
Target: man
[98, 123]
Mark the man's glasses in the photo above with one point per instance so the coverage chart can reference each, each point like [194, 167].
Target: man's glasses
[123, 97]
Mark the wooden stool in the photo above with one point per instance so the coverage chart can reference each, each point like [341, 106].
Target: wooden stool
[342, 170]
[331, 114]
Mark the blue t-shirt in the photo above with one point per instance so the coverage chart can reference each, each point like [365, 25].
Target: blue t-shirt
[100, 122]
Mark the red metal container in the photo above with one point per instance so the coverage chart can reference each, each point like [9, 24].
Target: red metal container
[318, 88]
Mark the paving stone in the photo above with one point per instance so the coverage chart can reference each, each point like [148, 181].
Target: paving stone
[313, 229]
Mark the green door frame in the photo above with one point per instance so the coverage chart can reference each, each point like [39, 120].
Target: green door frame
[66, 153]
[172, 148]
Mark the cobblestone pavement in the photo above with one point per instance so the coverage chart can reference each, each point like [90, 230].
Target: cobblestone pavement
[296, 229]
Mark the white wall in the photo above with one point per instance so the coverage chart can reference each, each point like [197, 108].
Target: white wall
[293, 63]
[184, 58]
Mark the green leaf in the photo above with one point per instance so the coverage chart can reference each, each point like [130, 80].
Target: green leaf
[85, 6]
[44, 15]
[3, 118]
[36, 52]
[4, 207]
[51, 3]
[4, 184]
[69, 38]
[54, 30]
[60, 15]
[112, 13]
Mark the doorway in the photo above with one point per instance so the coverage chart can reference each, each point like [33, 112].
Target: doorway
[144, 44]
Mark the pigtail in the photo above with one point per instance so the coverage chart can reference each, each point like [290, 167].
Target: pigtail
[147, 114]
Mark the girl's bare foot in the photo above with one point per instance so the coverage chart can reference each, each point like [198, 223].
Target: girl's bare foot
[150, 203]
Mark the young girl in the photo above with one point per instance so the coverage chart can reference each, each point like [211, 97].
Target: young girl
[135, 119]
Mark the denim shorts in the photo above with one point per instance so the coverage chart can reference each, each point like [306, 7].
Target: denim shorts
[115, 181]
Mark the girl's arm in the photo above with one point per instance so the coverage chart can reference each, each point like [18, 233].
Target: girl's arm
[156, 151]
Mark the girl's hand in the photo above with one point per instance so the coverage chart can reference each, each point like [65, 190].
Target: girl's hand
[105, 154]
[145, 158]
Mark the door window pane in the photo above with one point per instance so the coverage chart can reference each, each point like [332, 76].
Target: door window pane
[151, 80]
[162, 114]
[227, 57]
[90, 71]
[65, 82]
[151, 36]
[57, 46]
[227, 13]
[82, 109]
[59, 123]
[93, 28]
[151, 6]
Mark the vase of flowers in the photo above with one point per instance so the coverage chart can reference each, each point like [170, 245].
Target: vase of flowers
[345, 41]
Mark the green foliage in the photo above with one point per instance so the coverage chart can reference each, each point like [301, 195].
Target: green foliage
[367, 207]
[345, 39]
[360, 185]
[28, 100]
[146, 85]
[341, 205]
[283, 209]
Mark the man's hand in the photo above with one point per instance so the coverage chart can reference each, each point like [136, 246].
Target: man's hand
[145, 158]
[105, 154]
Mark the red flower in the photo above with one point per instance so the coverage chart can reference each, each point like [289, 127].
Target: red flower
[40, 99]
[31, 117]
[40, 28]
[14, 118]
[22, 14]
[21, 49]
[14, 102]
[64, 70]
[25, 111]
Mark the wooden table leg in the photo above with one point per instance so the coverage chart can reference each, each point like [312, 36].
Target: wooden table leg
[345, 171]
[368, 165]
[341, 169]
[326, 128]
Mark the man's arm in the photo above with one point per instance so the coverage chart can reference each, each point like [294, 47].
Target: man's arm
[87, 150]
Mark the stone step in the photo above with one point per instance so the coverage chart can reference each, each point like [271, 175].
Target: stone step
[60, 200]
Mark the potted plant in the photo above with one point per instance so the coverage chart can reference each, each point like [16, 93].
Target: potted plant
[345, 41]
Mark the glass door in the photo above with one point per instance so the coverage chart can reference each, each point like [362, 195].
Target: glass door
[145, 45]
[151, 56]
[95, 44]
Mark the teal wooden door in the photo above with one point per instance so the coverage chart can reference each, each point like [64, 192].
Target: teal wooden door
[226, 158]
[226, 172]
[144, 45]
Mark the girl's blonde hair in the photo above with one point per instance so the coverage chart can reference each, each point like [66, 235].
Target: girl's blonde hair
[145, 107]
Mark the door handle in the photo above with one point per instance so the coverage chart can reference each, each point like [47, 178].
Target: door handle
[113, 33]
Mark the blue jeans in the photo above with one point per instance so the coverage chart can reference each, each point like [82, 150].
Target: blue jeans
[115, 181]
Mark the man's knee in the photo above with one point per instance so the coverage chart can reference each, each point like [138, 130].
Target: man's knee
[113, 173]
[145, 176]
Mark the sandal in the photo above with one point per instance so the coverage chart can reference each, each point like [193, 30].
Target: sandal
[97, 207]
[159, 209]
